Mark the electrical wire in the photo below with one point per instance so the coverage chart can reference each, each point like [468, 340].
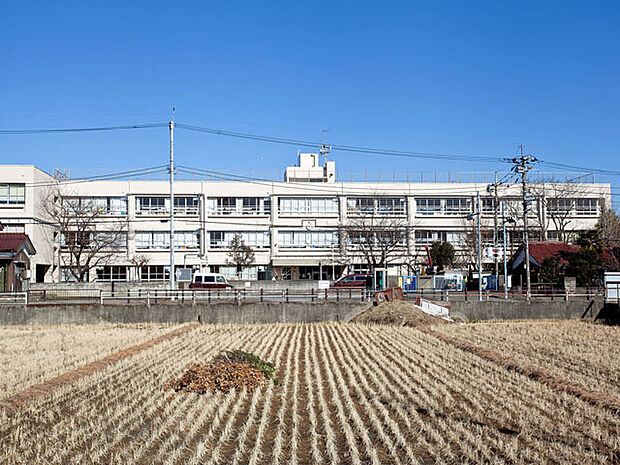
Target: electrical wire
[345, 148]
[340, 189]
[88, 129]
[103, 177]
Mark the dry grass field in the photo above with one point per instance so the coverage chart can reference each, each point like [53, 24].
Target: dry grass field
[346, 393]
[31, 354]
[585, 353]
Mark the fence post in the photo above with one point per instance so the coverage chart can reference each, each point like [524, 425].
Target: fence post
[312, 295]
[261, 295]
[325, 295]
[148, 299]
[337, 295]
[282, 298]
[287, 295]
[26, 298]
[100, 297]
[193, 298]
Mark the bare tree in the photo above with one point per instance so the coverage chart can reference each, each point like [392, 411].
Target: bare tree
[139, 261]
[379, 238]
[86, 239]
[240, 255]
[556, 207]
[609, 224]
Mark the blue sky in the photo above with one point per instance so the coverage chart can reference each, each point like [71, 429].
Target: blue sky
[473, 78]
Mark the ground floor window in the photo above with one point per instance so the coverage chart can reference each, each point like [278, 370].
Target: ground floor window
[111, 273]
[154, 273]
[66, 276]
[325, 272]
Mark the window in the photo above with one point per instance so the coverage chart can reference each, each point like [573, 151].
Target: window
[361, 205]
[488, 206]
[428, 206]
[239, 206]
[457, 206]
[152, 205]
[586, 207]
[427, 237]
[311, 239]
[392, 206]
[186, 205]
[560, 206]
[308, 206]
[154, 273]
[12, 194]
[66, 276]
[14, 228]
[379, 238]
[102, 205]
[380, 205]
[222, 239]
[111, 273]
[161, 240]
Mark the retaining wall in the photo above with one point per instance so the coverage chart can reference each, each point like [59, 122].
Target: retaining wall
[293, 312]
[522, 310]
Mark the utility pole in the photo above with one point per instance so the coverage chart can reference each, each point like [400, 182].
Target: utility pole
[522, 165]
[479, 249]
[505, 260]
[495, 212]
[171, 169]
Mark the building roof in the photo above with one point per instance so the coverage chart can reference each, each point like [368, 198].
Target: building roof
[539, 250]
[13, 243]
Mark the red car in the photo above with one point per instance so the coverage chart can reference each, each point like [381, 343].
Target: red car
[354, 281]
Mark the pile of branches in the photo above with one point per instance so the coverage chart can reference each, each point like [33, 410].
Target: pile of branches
[229, 370]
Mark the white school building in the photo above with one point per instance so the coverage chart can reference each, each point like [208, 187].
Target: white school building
[297, 226]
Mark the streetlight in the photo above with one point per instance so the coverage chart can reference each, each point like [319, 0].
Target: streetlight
[469, 218]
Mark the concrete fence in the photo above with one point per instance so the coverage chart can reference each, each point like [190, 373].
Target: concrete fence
[248, 313]
[522, 310]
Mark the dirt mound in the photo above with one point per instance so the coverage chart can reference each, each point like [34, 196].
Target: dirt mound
[398, 312]
[228, 370]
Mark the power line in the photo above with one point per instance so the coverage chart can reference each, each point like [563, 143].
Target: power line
[88, 129]
[345, 148]
[339, 188]
[102, 177]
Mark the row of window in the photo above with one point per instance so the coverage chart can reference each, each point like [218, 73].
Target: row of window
[149, 240]
[304, 206]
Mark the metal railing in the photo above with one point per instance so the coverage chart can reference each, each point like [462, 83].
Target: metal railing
[148, 296]
[13, 298]
[233, 296]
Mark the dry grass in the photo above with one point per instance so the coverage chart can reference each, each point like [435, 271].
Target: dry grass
[348, 394]
[584, 353]
[32, 354]
[398, 312]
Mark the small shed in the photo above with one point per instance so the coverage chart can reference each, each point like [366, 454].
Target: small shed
[15, 252]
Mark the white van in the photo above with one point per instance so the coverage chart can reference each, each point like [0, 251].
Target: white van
[209, 281]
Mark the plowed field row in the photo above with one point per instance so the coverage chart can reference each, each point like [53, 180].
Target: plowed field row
[582, 352]
[345, 394]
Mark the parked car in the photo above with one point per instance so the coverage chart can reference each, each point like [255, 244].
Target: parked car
[209, 281]
[354, 281]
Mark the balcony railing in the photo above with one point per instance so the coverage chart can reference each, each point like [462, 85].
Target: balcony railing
[193, 211]
[238, 211]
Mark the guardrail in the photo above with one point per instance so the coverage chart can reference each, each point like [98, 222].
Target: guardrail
[14, 298]
[233, 296]
[147, 296]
